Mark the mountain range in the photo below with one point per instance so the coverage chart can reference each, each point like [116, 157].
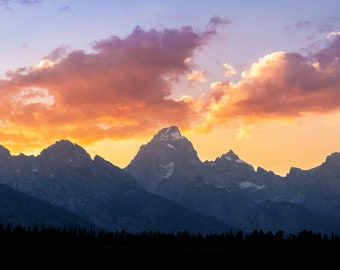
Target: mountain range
[166, 187]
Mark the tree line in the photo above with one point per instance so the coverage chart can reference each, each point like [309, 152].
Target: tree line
[78, 236]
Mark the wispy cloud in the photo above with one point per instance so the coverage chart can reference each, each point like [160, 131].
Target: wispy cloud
[20, 2]
[7, 4]
[64, 8]
[216, 21]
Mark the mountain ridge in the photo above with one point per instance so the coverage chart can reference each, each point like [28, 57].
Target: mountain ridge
[65, 176]
[229, 189]
[166, 179]
[5, 152]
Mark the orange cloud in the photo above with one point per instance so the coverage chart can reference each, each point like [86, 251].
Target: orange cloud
[123, 88]
[282, 85]
[119, 90]
[197, 76]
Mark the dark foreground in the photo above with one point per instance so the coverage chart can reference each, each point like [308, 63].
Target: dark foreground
[167, 258]
[77, 248]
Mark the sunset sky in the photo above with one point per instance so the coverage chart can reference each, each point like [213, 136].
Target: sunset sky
[259, 77]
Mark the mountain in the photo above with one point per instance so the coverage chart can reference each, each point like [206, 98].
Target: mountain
[65, 176]
[17, 208]
[166, 187]
[230, 190]
[167, 156]
[317, 188]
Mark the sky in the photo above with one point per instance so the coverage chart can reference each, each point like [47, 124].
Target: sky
[261, 78]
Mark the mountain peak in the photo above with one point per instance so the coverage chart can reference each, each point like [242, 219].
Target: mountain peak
[231, 158]
[333, 158]
[171, 133]
[62, 146]
[231, 154]
[63, 143]
[66, 150]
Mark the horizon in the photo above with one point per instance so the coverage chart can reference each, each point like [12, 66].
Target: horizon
[260, 79]
[94, 154]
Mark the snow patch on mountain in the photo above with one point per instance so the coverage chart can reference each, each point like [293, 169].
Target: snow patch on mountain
[247, 184]
[240, 161]
[168, 169]
[170, 134]
[171, 146]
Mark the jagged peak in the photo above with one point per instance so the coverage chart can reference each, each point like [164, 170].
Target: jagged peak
[333, 158]
[171, 133]
[65, 148]
[294, 171]
[63, 143]
[60, 143]
[230, 155]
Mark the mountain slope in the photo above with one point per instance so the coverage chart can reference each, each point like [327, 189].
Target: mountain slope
[17, 208]
[230, 190]
[65, 175]
[317, 188]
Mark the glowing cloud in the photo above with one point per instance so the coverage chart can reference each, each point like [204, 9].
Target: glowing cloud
[282, 85]
[229, 70]
[197, 76]
[244, 132]
[33, 95]
[332, 35]
[44, 63]
[119, 90]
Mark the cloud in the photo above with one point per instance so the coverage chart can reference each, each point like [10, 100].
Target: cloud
[332, 34]
[44, 63]
[215, 21]
[281, 85]
[330, 54]
[64, 8]
[23, 2]
[7, 3]
[302, 24]
[120, 89]
[244, 132]
[58, 53]
[123, 89]
[313, 30]
[229, 70]
[197, 76]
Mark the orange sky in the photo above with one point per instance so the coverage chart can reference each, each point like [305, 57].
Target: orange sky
[282, 112]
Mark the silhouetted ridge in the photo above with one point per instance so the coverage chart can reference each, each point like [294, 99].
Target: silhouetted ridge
[231, 155]
[4, 152]
[65, 152]
[333, 159]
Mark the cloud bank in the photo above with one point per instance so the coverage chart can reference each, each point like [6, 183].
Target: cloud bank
[119, 90]
[282, 85]
[123, 87]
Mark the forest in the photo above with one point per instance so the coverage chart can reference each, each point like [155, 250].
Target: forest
[164, 250]
[78, 236]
